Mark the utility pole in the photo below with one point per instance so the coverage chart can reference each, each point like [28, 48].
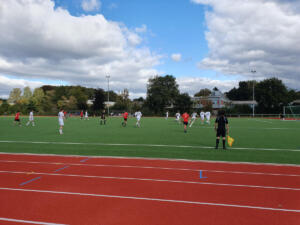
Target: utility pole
[107, 76]
[253, 97]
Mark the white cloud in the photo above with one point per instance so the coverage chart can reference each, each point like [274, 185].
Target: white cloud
[7, 84]
[141, 29]
[38, 41]
[176, 57]
[260, 34]
[90, 5]
[192, 85]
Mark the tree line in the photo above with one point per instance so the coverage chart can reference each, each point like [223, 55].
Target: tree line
[162, 95]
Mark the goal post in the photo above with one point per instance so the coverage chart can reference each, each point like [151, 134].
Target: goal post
[292, 112]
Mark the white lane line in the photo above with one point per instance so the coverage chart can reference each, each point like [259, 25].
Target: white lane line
[152, 167]
[149, 159]
[154, 180]
[154, 199]
[147, 145]
[28, 221]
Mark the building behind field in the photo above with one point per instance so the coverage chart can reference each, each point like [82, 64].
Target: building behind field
[216, 99]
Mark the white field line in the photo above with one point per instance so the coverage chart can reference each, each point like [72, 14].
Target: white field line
[155, 180]
[153, 199]
[151, 167]
[150, 159]
[28, 221]
[146, 145]
[260, 120]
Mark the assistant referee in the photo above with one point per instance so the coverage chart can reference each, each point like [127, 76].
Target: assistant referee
[221, 128]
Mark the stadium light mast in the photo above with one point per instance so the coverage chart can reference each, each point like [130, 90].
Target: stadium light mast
[253, 93]
[107, 77]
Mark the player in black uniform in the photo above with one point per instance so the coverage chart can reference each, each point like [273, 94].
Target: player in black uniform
[221, 127]
[103, 120]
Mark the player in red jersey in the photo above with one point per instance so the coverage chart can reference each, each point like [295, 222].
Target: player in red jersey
[81, 114]
[17, 119]
[125, 116]
[185, 117]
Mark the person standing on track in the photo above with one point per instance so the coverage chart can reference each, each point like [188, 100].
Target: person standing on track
[185, 117]
[221, 128]
[125, 116]
[61, 117]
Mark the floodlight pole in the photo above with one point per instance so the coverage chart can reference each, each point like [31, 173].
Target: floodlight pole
[107, 76]
[253, 93]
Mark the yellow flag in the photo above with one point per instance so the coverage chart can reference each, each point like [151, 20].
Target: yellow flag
[230, 140]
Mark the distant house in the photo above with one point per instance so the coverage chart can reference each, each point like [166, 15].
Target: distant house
[249, 103]
[296, 102]
[217, 99]
[109, 104]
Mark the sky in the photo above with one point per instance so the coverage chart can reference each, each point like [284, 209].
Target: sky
[203, 43]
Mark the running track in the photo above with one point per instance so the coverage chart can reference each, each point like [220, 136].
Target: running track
[45, 189]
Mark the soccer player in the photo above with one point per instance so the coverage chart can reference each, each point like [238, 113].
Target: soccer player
[81, 114]
[138, 116]
[185, 117]
[194, 117]
[17, 118]
[207, 115]
[61, 117]
[125, 116]
[167, 115]
[103, 120]
[31, 120]
[202, 116]
[177, 117]
[86, 116]
[221, 128]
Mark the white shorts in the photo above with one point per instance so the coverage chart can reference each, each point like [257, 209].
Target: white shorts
[208, 117]
[202, 117]
[61, 122]
[30, 118]
[138, 118]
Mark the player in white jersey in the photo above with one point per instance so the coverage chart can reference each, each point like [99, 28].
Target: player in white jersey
[31, 120]
[194, 117]
[177, 117]
[138, 116]
[202, 117]
[86, 115]
[61, 117]
[207, 115]
[167, 115]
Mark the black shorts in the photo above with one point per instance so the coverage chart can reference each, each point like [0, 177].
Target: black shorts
[185, 123]
[102, 117]
[18, 120]
[125, 119]
[221, 132]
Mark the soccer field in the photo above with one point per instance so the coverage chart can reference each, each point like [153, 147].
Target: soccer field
[256, 140]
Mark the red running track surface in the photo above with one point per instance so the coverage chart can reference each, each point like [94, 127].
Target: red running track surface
[96, 190]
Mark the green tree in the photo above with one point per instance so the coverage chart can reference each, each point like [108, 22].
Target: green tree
[243, 92]
[161, 92]
[271, 95]
[183, 103]
[81, 97]
[99, 99]
[15, 96]
[37, 98]
[203, 92]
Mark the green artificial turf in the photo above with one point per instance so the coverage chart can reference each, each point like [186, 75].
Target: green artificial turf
[89, 138]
